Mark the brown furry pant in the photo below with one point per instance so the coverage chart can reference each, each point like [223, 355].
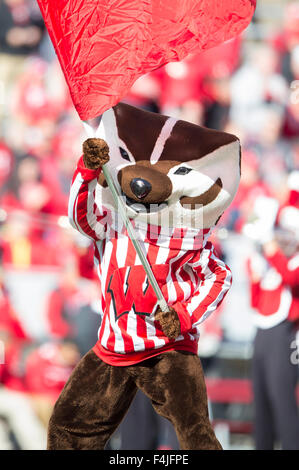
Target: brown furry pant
[97, 396]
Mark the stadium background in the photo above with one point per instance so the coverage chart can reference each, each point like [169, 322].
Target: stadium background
[48, 289]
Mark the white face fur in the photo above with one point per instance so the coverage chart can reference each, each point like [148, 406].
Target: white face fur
[223, 163]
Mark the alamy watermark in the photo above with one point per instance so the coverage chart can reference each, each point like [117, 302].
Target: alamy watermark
[295, 353]
[156, 223]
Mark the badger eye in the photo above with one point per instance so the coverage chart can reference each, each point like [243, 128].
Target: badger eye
[124, 153]
[182, 170]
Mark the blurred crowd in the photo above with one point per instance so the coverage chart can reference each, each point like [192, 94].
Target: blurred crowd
[248, 86]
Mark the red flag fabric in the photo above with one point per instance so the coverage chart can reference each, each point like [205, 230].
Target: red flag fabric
[104, 45]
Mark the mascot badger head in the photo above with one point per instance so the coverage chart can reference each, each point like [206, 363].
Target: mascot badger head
[170, 172]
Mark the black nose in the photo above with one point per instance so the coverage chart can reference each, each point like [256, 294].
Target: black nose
[140, 187]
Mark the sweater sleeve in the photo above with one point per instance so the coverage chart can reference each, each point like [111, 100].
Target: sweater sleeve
[287, 268]
[84, 214]
[214, 282]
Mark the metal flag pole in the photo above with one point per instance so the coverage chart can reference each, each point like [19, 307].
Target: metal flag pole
[119, 202]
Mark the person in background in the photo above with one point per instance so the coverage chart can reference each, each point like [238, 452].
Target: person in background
[48, 367]
[16, 411]
[21, 32]
[274, 285]
[287, 39]
[73, 310]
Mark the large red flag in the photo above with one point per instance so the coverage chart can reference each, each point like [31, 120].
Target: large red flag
[104, 45]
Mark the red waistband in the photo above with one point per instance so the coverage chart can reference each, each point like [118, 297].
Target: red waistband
[129, 359]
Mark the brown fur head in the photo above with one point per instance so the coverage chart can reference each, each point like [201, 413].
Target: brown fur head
[170, 172]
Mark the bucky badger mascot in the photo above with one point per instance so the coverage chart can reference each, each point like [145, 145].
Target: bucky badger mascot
[176, 179]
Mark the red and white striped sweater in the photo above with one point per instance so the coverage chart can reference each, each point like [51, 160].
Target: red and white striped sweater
[193, 280]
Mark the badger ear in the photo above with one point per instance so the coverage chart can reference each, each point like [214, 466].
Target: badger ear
[138, 129]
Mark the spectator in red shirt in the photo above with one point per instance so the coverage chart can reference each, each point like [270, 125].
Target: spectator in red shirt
[48, 367]
[274, 285]
[13, 341]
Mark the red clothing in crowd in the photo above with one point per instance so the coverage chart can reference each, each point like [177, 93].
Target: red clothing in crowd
[29, 251]
[8, 321]
[14, 339]
[59, 327]
[6, 163]
[46, 372]
[275, 296]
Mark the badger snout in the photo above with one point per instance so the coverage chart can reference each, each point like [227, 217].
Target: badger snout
[140, 187]
[144, 183]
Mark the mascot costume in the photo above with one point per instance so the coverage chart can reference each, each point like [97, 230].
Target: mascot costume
[147, 190]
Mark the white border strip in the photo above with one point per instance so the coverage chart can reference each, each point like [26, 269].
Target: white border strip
[160, 142]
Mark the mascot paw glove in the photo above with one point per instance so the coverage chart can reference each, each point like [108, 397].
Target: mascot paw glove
[95, 153]
[175, 322]
[169, 322]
